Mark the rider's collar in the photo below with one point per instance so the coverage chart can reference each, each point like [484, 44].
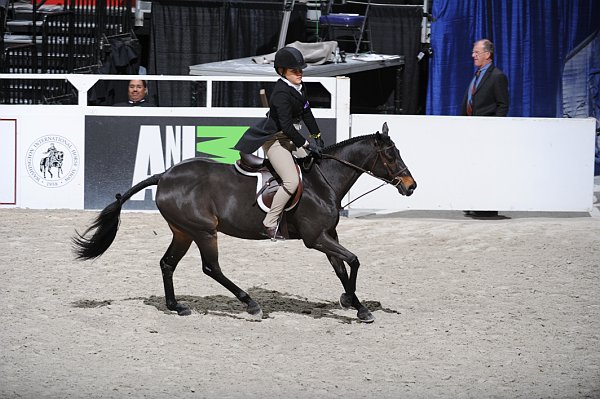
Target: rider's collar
[297, 87]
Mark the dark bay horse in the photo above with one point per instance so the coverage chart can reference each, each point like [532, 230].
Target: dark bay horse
[200, 197]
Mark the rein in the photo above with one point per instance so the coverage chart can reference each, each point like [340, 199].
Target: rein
[395, 181]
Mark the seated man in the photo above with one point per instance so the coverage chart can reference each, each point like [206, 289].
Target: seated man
[137, 93]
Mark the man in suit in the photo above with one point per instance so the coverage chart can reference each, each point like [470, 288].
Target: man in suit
[490, 96]
[487, 93]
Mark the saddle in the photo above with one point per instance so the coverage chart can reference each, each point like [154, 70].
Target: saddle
[267, 180]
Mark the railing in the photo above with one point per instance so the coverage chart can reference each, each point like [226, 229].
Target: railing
[116, 16]
[94, 19]
[57, 40]
[338, 88]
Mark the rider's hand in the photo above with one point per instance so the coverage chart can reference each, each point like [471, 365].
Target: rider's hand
[319, 140]
[313, 149]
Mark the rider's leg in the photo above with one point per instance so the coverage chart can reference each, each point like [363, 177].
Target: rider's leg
[283, 163]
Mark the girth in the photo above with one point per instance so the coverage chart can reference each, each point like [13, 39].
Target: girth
[267, 180]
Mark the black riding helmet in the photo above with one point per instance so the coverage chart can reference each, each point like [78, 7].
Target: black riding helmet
[289, 57]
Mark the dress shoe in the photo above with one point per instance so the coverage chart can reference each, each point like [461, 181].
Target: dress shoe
[272, 233]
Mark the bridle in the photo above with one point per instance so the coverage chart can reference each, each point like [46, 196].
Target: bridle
[395, 178]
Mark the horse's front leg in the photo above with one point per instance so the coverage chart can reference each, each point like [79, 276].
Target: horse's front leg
[337, 255]
[349, 299]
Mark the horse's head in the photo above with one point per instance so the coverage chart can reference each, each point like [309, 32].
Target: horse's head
[388, 164]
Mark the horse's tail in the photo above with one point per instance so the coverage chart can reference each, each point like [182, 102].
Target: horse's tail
[106, 224]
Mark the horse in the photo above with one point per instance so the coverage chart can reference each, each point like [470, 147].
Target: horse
[53, 160]
[199, 197]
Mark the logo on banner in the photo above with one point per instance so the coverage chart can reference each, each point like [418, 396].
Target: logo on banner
[160, 147]
[52, 161]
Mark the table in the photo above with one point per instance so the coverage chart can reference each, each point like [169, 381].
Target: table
[246, 66]
[361, 63]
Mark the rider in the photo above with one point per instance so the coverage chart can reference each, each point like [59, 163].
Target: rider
[51, 151]
[279, 136]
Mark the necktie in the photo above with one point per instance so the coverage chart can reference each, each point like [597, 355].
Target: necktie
[470, 103]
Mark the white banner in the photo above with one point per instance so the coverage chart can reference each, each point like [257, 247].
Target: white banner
[50, 156]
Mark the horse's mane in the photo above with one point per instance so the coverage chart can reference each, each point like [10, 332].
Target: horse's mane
[351, 140]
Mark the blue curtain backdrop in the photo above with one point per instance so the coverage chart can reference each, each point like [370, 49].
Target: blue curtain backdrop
[532, 38]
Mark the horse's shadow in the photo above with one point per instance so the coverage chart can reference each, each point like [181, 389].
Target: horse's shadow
[270, 301]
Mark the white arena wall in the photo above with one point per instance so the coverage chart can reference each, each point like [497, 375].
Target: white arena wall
[486, 163]
[529, 164]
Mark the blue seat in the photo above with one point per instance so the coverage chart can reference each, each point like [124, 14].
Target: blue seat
[345, 20]
[349, 30]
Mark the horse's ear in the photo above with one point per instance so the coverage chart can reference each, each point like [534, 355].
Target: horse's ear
[385, 129]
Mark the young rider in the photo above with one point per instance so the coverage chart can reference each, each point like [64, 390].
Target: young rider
[279, 137]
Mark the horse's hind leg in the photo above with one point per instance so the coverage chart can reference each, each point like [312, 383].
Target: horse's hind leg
[209, 251]
[178, 248]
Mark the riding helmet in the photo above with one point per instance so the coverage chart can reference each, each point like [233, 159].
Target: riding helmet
[289, 57]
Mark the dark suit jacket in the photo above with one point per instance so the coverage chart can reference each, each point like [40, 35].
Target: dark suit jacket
[491, 95]
[145, 103]
[286, 107]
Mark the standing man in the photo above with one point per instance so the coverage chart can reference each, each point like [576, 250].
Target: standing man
[487, 93]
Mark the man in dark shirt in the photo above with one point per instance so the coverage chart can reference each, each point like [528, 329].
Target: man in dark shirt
[137, 93]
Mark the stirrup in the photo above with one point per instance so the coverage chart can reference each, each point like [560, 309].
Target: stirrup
[272, 233]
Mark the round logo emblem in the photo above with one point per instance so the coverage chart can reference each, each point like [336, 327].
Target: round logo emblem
[52, 161]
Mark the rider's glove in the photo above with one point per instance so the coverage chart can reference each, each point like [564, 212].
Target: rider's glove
[313, 149]
[318, 140]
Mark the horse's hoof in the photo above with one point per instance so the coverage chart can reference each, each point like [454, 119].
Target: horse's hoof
[254, 310]
[257, 316]
[346, 301]
[364, 316]
[182, 310]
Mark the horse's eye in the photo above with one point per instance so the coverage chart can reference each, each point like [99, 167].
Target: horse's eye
[389, 155]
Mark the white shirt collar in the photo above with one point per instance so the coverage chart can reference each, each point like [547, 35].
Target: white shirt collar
[297, 87]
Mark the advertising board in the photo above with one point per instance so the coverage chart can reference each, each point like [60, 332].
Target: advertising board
[122, 151]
